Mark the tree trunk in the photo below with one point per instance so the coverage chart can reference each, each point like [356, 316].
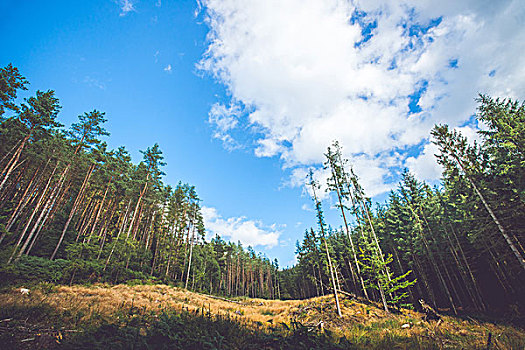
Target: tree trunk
[339, 197]
[383, 299]
[41, 199]
[47, 207]
[77, 202]
[109, 215]
[20, 206]
[520, 258]
[137, 206]
[14, 160]
[431, 257]
[124, 220]
[333, 278]
[98, 213]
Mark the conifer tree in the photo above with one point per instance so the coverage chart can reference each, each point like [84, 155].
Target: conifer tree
[37, 115]
[457, 153]
[320, 221]
[10, 81]
[336, 183]
[85, 133]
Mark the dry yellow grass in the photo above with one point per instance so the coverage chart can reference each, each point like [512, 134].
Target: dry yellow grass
[359, 320]
[106, 300]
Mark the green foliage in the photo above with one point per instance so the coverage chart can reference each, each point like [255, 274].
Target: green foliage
[88, 128]
[462, 241]
[66, 196]
[184, 330]
[40, 112]
[378, 276]
[106, 219]
[32, 268]
[10, 81]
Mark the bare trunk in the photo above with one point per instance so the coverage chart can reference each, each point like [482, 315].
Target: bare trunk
[431, 258]
[383, 299]
[12, 164]
[87, 223]
[124, 220]
[37, 234]
[474, 282]
[24, 200]
[73, 210]
[47, 207]
[8, 153]
[328, 255]
[98, 214]
[339, 197]
[137, 206]
[155, 256]
[20, 206]
[105, 230]
[35, 210]
[333, 278]
[520, 258]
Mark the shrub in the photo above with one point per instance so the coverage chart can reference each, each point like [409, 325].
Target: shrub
[32, 268]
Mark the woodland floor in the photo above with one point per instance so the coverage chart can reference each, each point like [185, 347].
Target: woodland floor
[159, 316]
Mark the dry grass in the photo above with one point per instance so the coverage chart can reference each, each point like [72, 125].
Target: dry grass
[359, 323]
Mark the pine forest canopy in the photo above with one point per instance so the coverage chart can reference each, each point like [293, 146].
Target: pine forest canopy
[72, 210]
[67, 199]
[458, 246]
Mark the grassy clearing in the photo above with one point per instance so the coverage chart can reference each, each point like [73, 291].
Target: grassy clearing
[159, 316]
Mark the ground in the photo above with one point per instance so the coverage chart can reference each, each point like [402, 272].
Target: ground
[50, 316]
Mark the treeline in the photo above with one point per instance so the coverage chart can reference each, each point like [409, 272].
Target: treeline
[73, 211]
[458, 246]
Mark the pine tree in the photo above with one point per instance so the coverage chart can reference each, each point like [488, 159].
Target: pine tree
[85, 133]
[10, 81]
[456, 153]
[338, 183]
[320, 221]
[37, 115]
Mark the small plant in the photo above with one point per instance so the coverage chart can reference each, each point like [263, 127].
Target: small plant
[46, 287]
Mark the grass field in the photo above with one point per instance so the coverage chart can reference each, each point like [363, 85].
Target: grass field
[162, 317]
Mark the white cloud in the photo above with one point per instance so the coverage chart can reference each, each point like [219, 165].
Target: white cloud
[168, 68]
[290, 263]
[223, 120]
[307, 72]
[306, 207]
[268, 148]
[471, 133]
[425, 166]
[126, 6]
[94, 82]
[248, 232]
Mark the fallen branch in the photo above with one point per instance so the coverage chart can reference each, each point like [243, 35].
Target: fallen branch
[346, 293]
[430, 313]
[224, 299]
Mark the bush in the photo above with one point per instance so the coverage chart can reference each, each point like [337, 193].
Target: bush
[32, 268]
[185, 330]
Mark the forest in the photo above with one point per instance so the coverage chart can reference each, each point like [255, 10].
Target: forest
[74, 211]
[457, 246]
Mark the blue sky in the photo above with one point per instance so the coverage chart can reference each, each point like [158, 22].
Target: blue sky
[244, 96]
